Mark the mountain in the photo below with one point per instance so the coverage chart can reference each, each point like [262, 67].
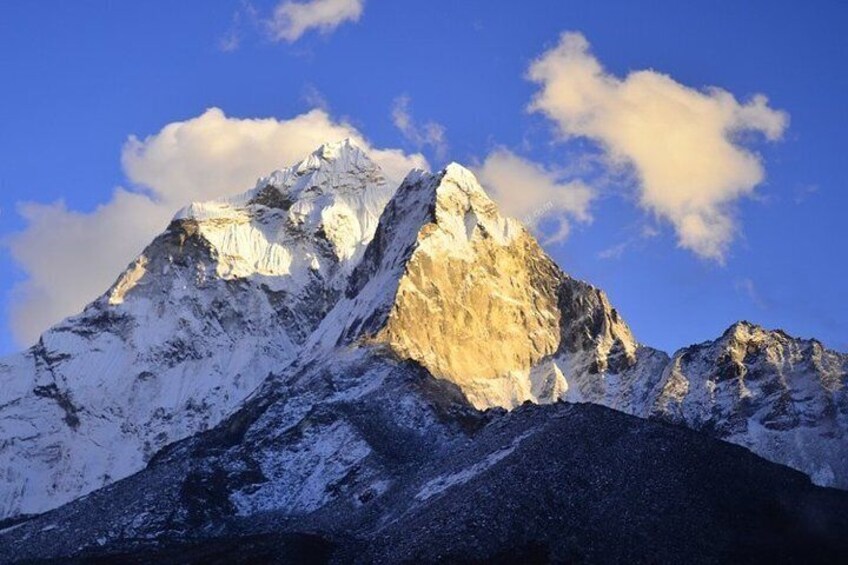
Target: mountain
[228, 293]
[504, 323]
[336, 363]
[783, 398]
[364, 458]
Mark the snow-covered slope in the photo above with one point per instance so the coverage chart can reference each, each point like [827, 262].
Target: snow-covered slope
[783, 398]
[228, 293]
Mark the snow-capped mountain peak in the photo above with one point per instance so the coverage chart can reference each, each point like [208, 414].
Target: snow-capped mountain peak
[443, 253]
[227, 294]
[781, 397]
[316, 216]
[325, 264]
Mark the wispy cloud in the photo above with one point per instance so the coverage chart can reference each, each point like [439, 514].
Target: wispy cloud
[804, 193]
[229, 42]
[197, 159]
[531, 193]
[617, 251]
[291, 20]
[430, 133]
[682, 143]
[314, 98]
[245, 16]
[747, 287]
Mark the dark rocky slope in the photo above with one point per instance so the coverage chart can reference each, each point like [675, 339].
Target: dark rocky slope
[559, 483]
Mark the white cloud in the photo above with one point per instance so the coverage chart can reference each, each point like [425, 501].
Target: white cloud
[430, 133]
[292, 19]
[527, 191]
[71, 257]
[682, 143]
[213, 155]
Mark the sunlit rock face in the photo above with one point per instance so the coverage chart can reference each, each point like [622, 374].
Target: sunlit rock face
[227, 294]
[477, 304]
[783, 398]
[471, 296]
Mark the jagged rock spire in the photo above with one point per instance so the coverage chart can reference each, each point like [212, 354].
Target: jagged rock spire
[469, 294]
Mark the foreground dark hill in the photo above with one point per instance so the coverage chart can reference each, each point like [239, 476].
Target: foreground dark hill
[417, 475]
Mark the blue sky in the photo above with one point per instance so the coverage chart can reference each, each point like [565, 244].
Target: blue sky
[79, 78]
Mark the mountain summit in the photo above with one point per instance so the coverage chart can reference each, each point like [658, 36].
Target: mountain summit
[228, 293]
[503, 322]
[326, 349]
[783, 398]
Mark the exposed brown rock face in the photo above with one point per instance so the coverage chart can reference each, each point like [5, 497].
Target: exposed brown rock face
[479, 303]
[488, 317]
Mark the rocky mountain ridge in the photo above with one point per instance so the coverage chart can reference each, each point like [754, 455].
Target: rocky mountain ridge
[269, 318]
[445, 254]
[781, 397]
